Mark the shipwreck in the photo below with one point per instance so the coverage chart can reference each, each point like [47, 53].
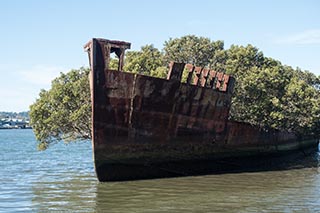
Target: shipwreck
[147, 127]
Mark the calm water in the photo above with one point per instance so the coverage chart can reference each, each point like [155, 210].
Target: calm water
[62, 179]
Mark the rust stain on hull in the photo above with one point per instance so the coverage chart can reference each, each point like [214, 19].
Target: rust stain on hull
[146, 127]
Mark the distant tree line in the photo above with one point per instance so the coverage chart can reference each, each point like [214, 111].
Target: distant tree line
[267, 93]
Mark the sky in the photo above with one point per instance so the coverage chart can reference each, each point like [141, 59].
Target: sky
[40, 39]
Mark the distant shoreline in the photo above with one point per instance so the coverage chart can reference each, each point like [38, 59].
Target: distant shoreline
[15, 128]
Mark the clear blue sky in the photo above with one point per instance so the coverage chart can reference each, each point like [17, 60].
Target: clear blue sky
[40, 39]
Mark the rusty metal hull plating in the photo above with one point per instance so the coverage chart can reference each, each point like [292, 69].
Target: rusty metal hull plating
[145, 127]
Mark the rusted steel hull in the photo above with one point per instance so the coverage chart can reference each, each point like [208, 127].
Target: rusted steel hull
[145, 127]
[158, 164]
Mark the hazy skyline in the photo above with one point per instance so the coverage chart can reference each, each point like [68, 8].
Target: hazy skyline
[40, 39]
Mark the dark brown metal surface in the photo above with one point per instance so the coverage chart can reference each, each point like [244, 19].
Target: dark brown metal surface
[145, 127]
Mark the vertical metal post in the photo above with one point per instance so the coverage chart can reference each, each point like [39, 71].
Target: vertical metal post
[121, 60]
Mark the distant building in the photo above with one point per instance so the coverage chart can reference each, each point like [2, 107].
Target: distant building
[13, 123]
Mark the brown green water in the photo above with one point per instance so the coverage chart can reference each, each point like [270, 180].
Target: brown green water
[62, 179]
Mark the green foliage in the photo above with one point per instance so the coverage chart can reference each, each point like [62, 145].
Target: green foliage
[271, 95]
[145, 62]
[241, 59]
[199, 51]
[63, 112]
[301, 107]
[113, 63]
[160, 72]
[267, 93]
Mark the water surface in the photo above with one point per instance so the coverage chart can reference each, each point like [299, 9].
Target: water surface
[62, 179]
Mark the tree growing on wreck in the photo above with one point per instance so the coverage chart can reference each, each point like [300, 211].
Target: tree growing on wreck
[63, 112]
[267, 93]
[199, 51]
[272, 95]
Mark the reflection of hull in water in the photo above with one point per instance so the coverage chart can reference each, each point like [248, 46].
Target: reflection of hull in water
[145, 127]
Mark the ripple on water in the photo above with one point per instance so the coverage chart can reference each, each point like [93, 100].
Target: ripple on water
[62, 179]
